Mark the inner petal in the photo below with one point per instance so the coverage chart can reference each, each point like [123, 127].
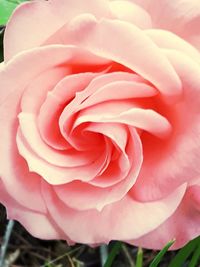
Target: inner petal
[119, 164]
[60, 175]
[53, 105]
[84, 196]
[146, 119]
[66, 158]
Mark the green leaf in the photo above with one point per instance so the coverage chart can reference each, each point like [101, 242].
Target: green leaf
[195, 257]
[6, 9]
[113, 253]
[139, 259]
[160, 255]
[184, 253]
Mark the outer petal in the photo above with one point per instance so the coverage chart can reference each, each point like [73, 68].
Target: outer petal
[34, 22]
[181, 17]
[173, 163]
[38, 224]
[127, 11]
[187, 216]
[169, 40]
[128, 45]
[138, 218]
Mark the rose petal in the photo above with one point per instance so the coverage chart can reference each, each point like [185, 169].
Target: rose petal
[44, 18]
[128, 11]
[168, 40]
[187, 214]
[92, 197]
[35, 93]
[119, 90]
[109, 220]
[95, 36]
[52, 107]
[68, 158]
[22, 185]
[173, 163]
[181, 17]
[145, 119]
[55, 174]
[42, 228]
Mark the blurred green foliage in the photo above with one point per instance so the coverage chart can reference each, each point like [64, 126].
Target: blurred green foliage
[6, 9]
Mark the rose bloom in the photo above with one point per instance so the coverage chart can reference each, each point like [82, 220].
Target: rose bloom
[100, 120]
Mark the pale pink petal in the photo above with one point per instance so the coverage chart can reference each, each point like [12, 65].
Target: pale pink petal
[19, 182]
[109, 220]
[127, 11]
[167, 165]
[55, 174]
[119, 90]
[68, 158]
[34, 22]
[145, 119]
[83, 196]
[22, 185]
[53, 105]
[166, 39]
[115, 39]
[34, 58]
[35, 93]
[181, 17]
[116, 170]
[38, 224]
[187, 216]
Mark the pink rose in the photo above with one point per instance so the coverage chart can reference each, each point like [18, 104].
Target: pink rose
[100, 120]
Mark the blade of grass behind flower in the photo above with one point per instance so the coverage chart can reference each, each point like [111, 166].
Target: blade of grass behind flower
[113, 253]
[195, 257]
[160, 255]
[139, 259]
[184, 253]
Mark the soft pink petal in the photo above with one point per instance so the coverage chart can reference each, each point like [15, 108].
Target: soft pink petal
[38, 224]
[19, 182]
[118, 135]
[127, 11]
[181, 17]
[69, 158]
[119, 90]
[55, 174]
[53, 105]
[166, 39]
[15, 67]
[109, 220]
[22, 185]
[187, 216]
[115, 39]
[92, 197]
[36, 92]
[34, 22]
[145, 119]
[167, 165]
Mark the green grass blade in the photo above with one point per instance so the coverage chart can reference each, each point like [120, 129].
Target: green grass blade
[6, 9]
[139, 259]
[160, 255]
[113, 253]
[184, 253]
[1, 44]
[195, 258]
